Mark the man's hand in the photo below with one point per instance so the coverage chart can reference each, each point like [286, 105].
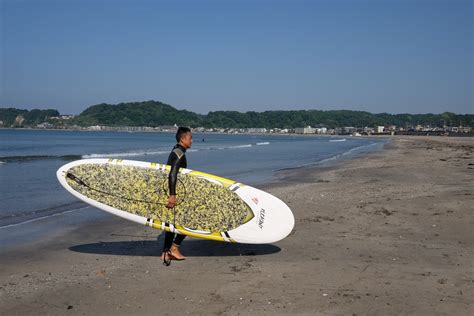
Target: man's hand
[171, 201]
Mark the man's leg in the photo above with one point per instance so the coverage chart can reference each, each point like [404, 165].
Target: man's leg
[178, 239]
[168, 241]
[166, 254]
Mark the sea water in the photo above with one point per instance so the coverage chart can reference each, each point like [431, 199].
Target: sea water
[30, 191]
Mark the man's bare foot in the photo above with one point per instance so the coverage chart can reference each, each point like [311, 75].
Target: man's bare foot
[177, 255]
[166, 256]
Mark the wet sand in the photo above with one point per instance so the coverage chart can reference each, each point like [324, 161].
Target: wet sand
[387, 233]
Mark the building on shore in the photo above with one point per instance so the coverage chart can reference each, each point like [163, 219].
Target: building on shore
[305, 130]
[256, 130]
[322, 130]
[45, 125]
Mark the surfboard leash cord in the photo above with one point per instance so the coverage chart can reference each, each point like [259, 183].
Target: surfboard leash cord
[167, 262]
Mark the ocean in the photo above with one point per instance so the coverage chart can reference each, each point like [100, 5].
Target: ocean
[29, 159]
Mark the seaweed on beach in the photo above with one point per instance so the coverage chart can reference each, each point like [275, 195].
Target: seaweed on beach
[202, 205]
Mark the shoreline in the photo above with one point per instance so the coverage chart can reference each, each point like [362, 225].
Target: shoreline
[378, 136]
[376, 234]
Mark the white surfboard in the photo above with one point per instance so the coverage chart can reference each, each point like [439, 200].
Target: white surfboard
[209, 206]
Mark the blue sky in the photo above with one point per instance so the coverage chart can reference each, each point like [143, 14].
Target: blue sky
[378, 56]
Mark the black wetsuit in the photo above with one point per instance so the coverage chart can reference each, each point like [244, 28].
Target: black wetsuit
[176, 159]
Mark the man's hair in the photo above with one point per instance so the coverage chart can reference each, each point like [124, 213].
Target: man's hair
[181, 131]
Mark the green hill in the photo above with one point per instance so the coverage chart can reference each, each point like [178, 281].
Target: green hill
[148, 113]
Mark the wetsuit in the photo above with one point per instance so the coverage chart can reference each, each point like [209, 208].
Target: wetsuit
[176, 159]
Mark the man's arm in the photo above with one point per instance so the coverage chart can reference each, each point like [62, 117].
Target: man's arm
[173, 179]
[173, 176]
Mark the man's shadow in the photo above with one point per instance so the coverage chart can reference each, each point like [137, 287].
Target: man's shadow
[190, 247]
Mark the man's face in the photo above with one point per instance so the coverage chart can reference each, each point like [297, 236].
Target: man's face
[187, 140]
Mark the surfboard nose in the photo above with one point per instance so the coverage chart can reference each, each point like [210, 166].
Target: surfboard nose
[281, 223]
[272, 222]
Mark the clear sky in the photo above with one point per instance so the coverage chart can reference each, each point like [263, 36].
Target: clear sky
[395, 56]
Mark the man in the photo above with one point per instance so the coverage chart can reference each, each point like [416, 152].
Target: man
[176, 159]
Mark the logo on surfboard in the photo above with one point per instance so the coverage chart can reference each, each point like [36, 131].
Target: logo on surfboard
[261, 218]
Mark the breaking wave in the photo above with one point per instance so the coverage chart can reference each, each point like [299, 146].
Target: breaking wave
[27, 158]
[141, 152]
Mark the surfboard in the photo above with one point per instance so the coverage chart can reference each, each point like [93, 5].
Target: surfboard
[208, 206]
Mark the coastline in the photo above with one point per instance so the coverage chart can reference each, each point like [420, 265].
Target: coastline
[374, 136]
[389, 232]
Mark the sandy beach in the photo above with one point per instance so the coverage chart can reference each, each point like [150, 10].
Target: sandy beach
[386, 233]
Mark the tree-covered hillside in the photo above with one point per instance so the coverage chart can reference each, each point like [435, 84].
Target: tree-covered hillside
[153, 113]
[12, 117]
[148, 113]
[332, 119]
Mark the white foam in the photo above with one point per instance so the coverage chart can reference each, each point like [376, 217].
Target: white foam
[162, 152]
[336, 156]
[229, 147]
[337, 140]
[356, 148]
[239, 146]
[126, 154]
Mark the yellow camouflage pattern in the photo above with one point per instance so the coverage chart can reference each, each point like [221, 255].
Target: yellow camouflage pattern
[202, 205]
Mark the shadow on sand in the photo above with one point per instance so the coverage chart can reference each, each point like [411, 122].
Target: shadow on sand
[190, 247]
